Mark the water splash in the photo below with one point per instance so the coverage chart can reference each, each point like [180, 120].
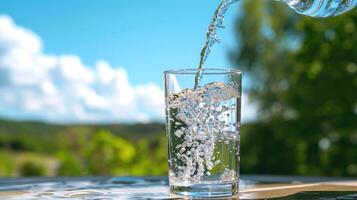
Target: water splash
[211, 36]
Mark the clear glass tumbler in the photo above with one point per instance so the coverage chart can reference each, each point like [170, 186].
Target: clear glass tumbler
[202, 128]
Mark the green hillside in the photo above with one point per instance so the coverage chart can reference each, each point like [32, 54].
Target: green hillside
[37, 148]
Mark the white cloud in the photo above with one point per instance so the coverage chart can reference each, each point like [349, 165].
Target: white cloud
[60, 88]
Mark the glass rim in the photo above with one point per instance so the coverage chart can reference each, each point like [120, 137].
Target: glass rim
[204, 71]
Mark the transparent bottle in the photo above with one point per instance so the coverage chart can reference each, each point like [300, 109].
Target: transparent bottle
[321, 8]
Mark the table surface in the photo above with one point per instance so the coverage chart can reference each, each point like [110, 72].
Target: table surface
[106, 188]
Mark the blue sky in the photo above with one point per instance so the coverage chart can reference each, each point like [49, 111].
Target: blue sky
[75, 61]
[144, 37]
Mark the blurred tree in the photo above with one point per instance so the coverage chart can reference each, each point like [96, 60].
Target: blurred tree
[151, 158]
[70, 164]
[105, 153]
[303, 74]
[6, 164]
[32, 168]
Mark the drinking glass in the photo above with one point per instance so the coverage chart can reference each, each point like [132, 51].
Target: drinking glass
[202, 126]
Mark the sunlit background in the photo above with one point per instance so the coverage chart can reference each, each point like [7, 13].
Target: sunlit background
[81, 85]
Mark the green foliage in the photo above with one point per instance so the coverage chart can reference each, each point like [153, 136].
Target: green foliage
[81, 149]
[105, 153]
[151, 158]
[31, 168]
[6, 164]
[303, 74]
[70, 165]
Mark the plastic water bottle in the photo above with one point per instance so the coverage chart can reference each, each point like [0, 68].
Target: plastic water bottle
[321, 8]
